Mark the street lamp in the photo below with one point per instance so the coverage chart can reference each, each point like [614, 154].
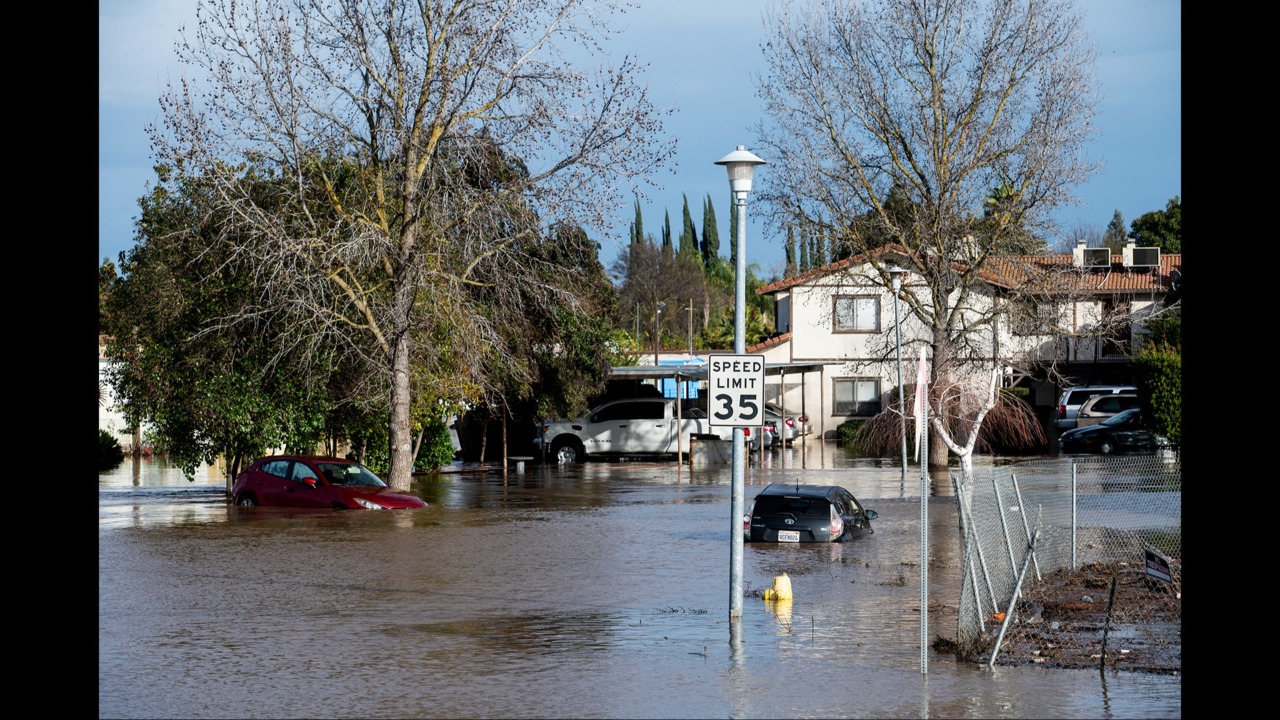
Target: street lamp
[895, 279]
[741, 166]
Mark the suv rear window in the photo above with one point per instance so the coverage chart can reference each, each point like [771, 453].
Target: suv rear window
[773, 504]
[1114, 403]
[1078, 397]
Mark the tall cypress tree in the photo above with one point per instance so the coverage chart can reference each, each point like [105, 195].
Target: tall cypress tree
[637, 227]
[688, 235]
[804, 252]
[666, 233]
[710, 235]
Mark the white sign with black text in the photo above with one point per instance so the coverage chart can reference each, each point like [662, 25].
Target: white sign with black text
[735, 390]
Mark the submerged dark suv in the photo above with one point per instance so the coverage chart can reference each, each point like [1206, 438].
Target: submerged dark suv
[791, 513]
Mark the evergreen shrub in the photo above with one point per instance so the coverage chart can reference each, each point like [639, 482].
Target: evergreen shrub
[1159, 370]
[109, 452]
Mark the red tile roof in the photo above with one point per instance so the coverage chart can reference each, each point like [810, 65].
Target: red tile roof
[1012, 270]
[770, 342]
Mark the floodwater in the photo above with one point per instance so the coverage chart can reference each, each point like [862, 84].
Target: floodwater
[593, 591]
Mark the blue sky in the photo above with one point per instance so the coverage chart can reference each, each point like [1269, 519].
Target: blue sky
[702, 55]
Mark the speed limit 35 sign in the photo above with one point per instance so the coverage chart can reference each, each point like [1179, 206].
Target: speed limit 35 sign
[735, 395]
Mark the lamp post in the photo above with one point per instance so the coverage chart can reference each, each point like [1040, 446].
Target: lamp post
[895, 279]
[740, 165]
[657, 310]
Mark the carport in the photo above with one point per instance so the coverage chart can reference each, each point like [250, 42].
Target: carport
[698, 372]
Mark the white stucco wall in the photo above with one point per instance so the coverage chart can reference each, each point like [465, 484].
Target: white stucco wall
[109, 417]
[872, 354]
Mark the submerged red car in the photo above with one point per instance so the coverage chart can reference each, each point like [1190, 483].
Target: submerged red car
[316, 482]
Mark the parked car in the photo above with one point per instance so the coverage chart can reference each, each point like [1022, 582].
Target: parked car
[316, 482]
[793, 513]
[766, 434]
[1100, 407]
[634, 427]
[1124, 432]
[1073, 397]
[790, 427]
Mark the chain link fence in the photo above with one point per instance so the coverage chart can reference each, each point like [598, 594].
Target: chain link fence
[1074, 562]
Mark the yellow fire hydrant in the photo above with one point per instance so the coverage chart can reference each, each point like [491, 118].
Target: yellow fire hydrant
[781, 589]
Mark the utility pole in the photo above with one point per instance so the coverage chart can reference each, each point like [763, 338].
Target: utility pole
[690, 327]
[657, 311]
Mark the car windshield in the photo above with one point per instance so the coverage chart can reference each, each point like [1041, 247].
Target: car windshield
[1122, 418]
[350, 474]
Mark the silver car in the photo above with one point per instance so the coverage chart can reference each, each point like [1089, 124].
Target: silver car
[1073, 397]
[790, 427]
[1100, 407]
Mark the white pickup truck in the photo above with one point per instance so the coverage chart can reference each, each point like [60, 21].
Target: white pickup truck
[623, 428]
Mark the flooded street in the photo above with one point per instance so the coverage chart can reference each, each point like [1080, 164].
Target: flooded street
[597, 590]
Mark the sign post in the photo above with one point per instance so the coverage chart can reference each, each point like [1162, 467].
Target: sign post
[735, 390]
[741, 166]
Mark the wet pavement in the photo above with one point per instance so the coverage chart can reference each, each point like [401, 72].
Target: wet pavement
[596, 590]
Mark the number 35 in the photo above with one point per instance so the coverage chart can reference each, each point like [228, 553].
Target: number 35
[748, 405]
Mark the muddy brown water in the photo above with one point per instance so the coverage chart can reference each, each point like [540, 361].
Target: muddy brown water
[595, 591]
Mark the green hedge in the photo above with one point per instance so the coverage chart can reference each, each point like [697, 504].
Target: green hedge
[847, 431]
[437, 447]
[1023, 393]
[1159, 371]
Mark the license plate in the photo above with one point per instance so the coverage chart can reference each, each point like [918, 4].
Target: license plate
[789, 536]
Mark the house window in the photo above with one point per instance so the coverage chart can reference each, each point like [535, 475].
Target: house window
[1031, 318]
[1119, 330]
[856, 396]
[856, 313]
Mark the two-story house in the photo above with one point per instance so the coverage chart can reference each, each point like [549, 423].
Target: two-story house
[1078, 313]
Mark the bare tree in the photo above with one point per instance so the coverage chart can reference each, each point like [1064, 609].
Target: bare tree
[648, 276]
[417, 151]
[1010, 424]
[949, 128]
[1081, 232]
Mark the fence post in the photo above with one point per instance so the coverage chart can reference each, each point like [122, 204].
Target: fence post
[1026, 526]
[982, 562]
[1074, 469]
[1004, 523]
[1106, 626]
[1017, 589]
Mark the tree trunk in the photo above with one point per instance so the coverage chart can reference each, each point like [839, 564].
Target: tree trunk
[229, 470]
[938, 451]
[965, 491]
[942, 354]
[401, 436]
